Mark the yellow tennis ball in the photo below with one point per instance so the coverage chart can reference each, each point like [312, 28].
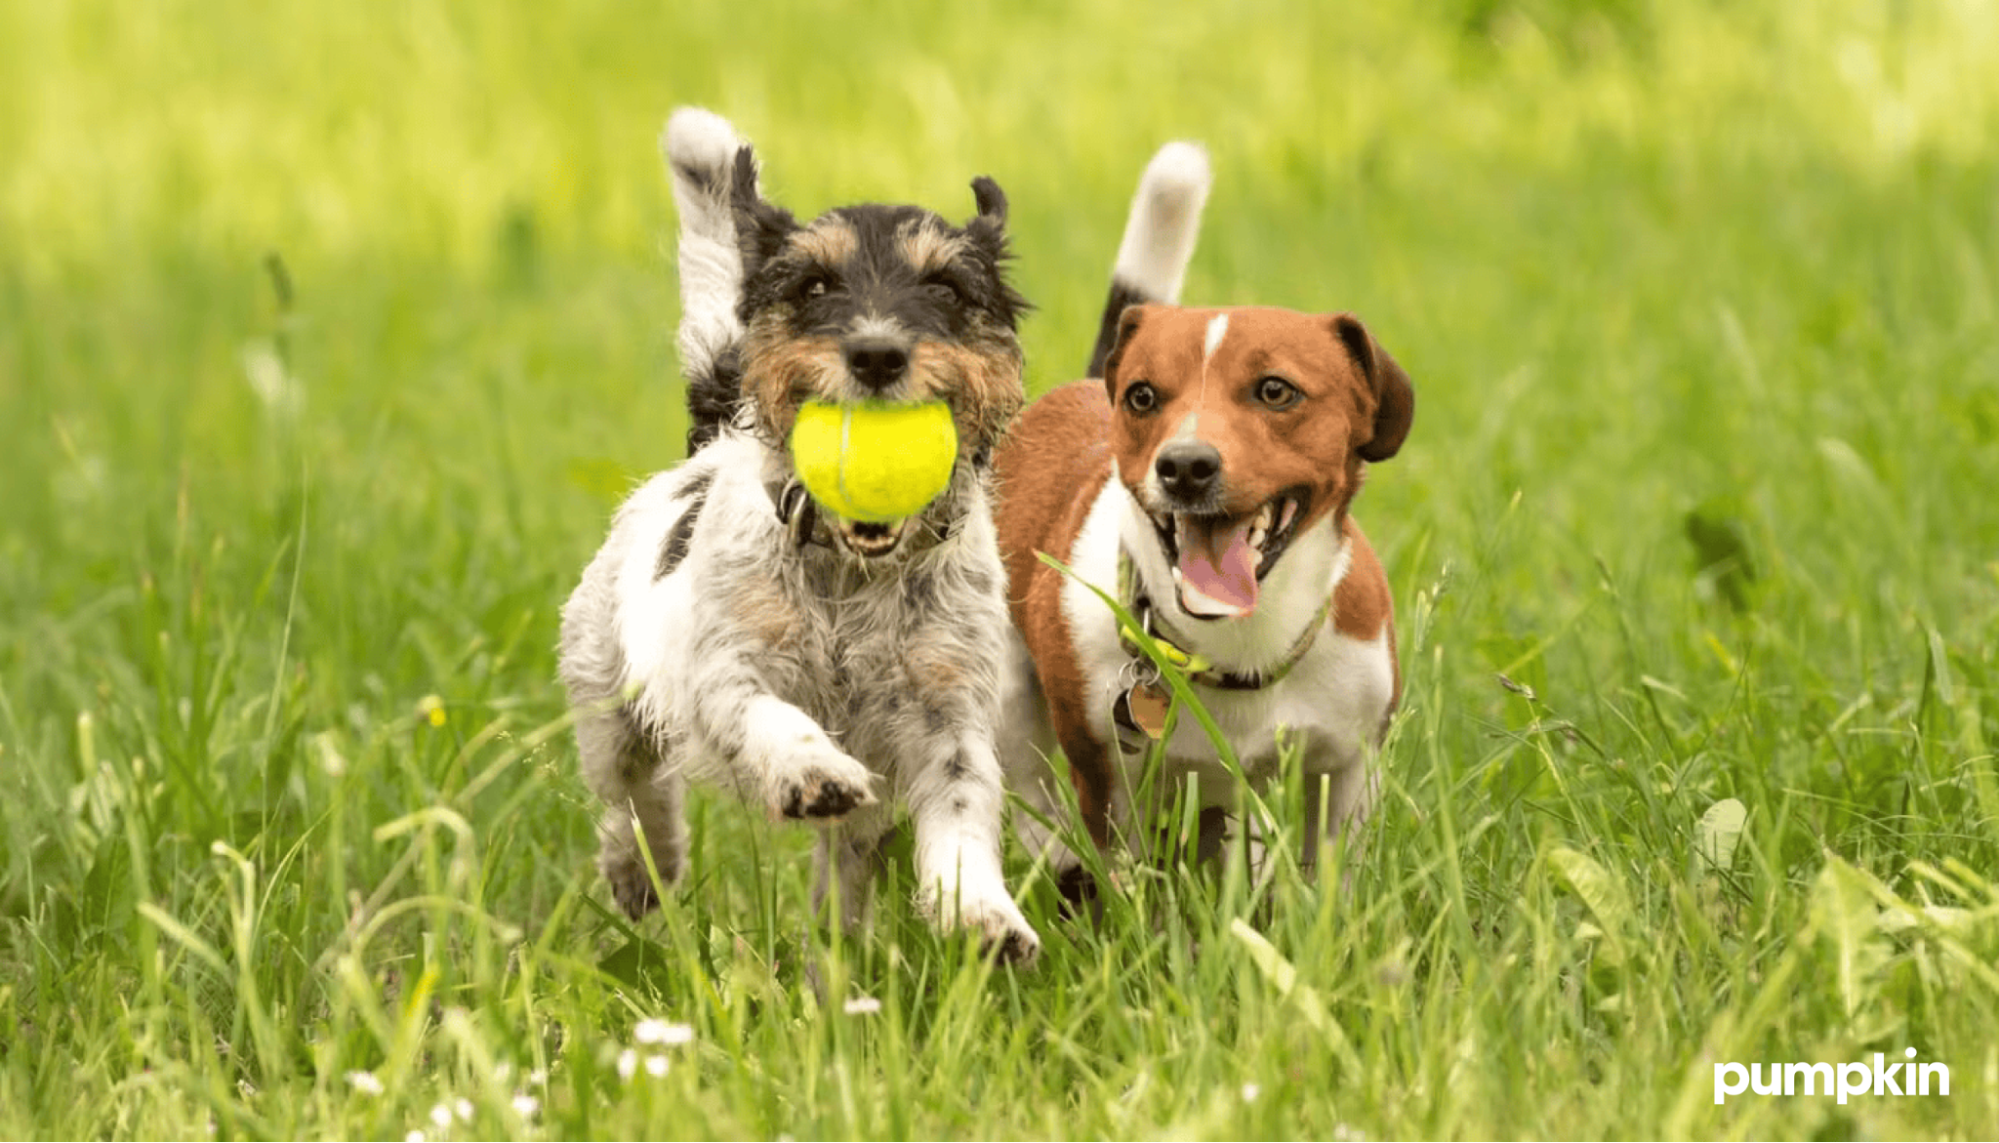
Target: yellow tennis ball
[874, 461]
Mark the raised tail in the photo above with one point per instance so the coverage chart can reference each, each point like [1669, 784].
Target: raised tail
[700, 149]
[1158, 238]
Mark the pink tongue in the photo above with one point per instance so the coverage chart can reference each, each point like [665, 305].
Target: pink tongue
[1217, 561]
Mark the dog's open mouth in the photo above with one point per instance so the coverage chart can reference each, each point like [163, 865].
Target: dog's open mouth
[1219, 561]
[868, 540]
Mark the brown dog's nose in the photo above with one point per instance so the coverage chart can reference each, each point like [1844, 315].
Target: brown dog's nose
[876, 363]
[1188, 470]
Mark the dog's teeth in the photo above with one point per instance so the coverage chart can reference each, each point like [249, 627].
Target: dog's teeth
[1257, 534]
[1290, 510]
[1264, 516]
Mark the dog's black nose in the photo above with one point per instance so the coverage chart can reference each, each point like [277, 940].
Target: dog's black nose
[876, 363]
[1188, 470]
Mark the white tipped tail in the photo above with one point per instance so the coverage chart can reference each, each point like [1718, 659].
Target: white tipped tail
[1158, 239]
[700, 150]
[1165, 221]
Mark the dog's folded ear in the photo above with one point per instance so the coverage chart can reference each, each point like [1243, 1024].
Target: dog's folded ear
[988, 227]
[987, 232]
[1394, 396]
[991, 201]
[1128, 321]
[761, 227]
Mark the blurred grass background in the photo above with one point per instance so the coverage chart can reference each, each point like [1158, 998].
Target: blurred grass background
[330, 334]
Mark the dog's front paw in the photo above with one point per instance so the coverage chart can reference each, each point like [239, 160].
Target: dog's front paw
[825, 786]
[1004, 935]
[1014, 943]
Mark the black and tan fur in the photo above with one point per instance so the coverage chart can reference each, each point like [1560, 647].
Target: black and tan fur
[729, 630]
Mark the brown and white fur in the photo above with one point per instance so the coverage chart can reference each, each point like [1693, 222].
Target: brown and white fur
[826, 670]
[1222, 449]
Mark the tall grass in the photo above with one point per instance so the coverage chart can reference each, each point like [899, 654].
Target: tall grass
[330, 334]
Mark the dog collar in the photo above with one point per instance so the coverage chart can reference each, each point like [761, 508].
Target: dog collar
[805, 524]
[1199, 671]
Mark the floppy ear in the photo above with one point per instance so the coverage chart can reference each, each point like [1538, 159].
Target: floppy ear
[1127, 327]
[1394, 397]
[761, 227]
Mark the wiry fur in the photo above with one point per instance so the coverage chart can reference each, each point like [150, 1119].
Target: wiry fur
[700, 149]
[826, 671]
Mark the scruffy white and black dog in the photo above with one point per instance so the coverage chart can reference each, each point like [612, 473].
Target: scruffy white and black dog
[731, 630]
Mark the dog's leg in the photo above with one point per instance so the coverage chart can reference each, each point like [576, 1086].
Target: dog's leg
[621, 754]
[850, 859]
[739, 650]
[955, 804]
[1025, 750]
[1337, 800]
[776, 753]
[643, 809]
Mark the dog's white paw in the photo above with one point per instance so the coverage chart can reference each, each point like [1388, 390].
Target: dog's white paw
[1004, 934]
[823, 785]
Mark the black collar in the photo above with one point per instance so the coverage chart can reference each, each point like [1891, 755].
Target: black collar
[805, 522]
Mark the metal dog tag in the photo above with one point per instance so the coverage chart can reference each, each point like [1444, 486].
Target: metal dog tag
[1147, 705]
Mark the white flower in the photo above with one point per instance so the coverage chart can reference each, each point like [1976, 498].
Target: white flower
[526, 1105]
[1250, 1091]
[661, 1032]
[628, 1064]
[863, 1006]
[464, 1109]
[413, 1137]
[656, 1066]
[365, 1083]
[538, 1077]
[440, 1115]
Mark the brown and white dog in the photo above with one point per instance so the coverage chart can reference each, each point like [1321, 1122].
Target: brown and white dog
[1206, 480]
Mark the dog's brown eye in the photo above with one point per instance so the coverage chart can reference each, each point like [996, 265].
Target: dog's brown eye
[1141, 398]
[1277, 393]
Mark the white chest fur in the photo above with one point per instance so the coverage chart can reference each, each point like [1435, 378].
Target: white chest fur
[1330, 705]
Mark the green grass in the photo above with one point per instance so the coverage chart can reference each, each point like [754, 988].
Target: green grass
[1699, 299]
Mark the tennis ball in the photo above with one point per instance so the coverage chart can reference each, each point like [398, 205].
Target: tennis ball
[874, 461]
